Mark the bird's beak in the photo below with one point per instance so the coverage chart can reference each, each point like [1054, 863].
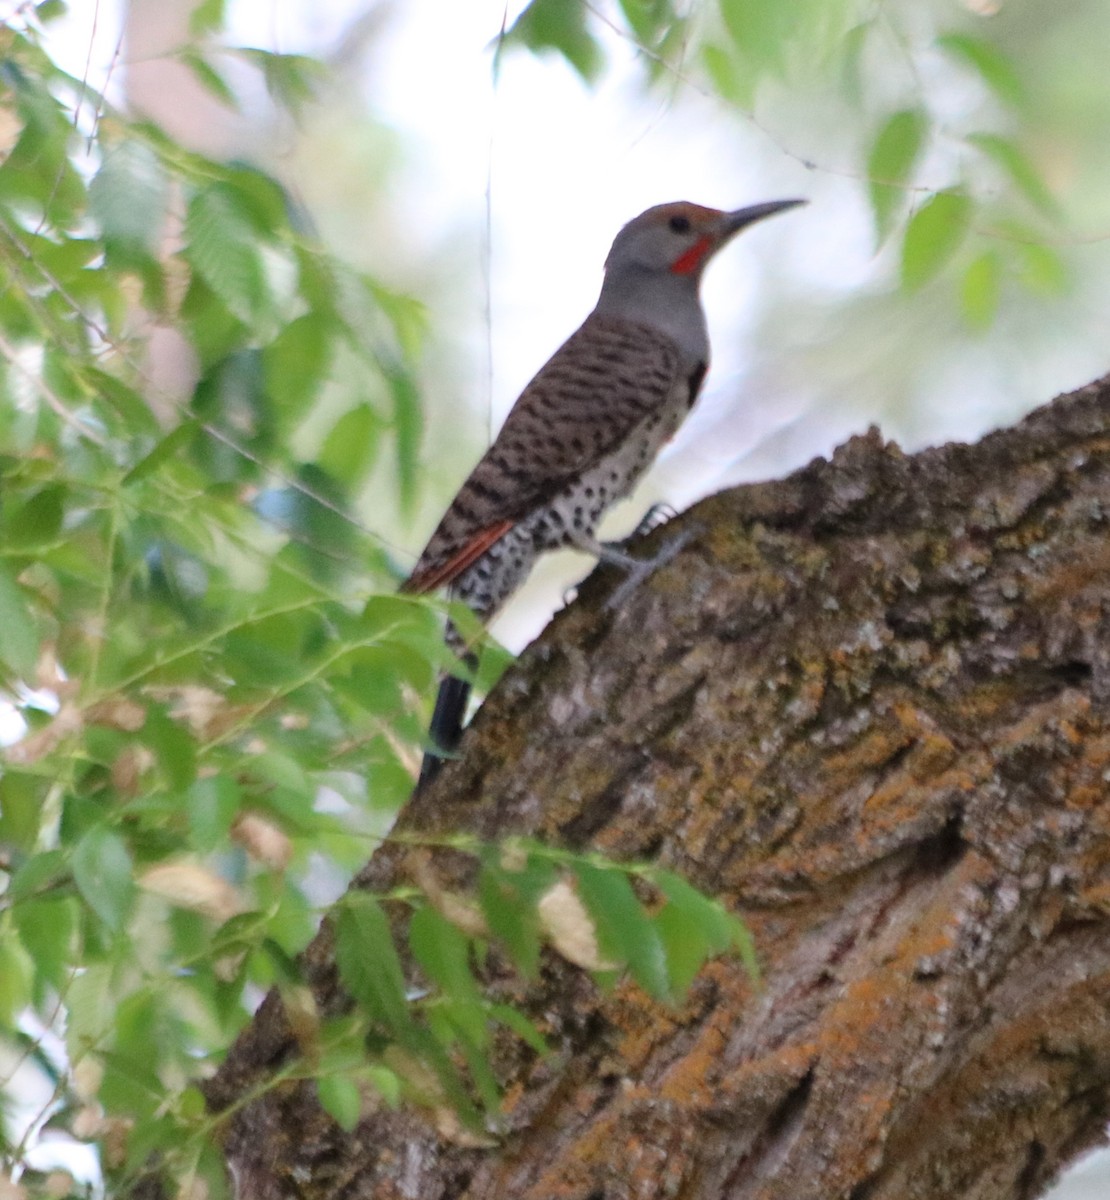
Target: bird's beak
[740, 218]
[719, 228]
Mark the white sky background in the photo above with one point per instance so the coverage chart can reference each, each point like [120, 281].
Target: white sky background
[565, 168]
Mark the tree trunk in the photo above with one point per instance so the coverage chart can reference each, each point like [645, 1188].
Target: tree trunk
[868, 706]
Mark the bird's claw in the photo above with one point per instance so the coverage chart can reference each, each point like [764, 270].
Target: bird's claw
[659, 514]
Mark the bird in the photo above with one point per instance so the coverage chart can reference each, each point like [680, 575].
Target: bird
[583, 431]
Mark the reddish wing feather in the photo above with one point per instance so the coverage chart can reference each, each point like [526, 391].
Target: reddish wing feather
[438, 574]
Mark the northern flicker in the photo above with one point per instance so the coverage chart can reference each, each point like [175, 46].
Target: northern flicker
[586, 428]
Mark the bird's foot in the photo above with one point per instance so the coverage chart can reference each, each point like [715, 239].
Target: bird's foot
[638, 570]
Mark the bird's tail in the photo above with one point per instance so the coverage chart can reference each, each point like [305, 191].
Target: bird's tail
[447, 723]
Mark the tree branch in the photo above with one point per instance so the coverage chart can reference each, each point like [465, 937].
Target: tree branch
[867, 705]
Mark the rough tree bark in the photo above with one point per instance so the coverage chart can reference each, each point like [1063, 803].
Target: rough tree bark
[870, 705]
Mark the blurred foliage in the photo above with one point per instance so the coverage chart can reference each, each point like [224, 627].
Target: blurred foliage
[937, 180]
[217, 703]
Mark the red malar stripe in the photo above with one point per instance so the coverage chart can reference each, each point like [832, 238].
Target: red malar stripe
[688, 263]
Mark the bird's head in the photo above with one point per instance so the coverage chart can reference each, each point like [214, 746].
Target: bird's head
[680, 238]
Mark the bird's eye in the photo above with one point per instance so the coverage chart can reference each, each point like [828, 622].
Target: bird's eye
[679, 224]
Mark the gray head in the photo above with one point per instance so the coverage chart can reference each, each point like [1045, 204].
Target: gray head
[680, 238]
[656, 263]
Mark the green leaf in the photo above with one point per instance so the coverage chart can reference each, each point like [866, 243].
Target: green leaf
[644, 17]
[128, 196]
[934, 235]
[980, 290]
[889, 165]
[291, 79]
[296, 361]
[208, 77]
[164, 450]
[19, 642]
[850, 58]
[559, 26]
[191, 1103]
[65, 259]
[215, 332]
[694, 928]
[443, 951]
[408, 421]
[21, 815]
[340, 1099]
[350, 448]
[993, 67]
[212, 803]
[407, 317]
[232, 395]
[514, 1019]
[1020, 169]
[140, 1025]
[206, 17]
[90, 998]
[625, 933]
[174, 747]
[685, 946]
[37, 170]
[1041, 269]
[387, 1083]
[38, 520]
[133, 411]
[340, 1046]
[288, 774]
[760, 29]
[495, 660]
[378, 673]
[727, 76]
[481, 1073]
[16, 971]
[388, 786]
[47, 927]
[40, 871]
[508, 900]
[103, 874]
[716, 926]
[177, 578]
[260, 198]
[242, 932]
[221, 247]
[269, 652]
[403, 620]
[368, 963]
